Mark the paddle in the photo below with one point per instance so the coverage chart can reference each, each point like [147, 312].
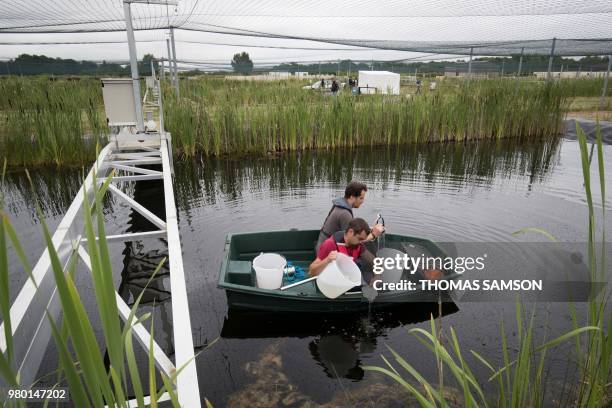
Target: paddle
[292, 285]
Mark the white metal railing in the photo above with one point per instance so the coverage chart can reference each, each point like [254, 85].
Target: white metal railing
[125, 154]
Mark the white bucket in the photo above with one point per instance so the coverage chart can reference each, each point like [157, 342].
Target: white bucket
[269, 270]
[339, 276]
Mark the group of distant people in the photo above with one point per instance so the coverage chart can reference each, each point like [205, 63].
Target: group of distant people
[335, 85]
[419, 86]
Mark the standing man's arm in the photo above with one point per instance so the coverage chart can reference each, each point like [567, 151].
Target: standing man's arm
[343, 220]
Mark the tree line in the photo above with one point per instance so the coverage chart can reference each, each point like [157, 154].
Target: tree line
[26, 64]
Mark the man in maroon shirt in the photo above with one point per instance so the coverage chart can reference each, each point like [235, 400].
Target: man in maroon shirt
[349, 242]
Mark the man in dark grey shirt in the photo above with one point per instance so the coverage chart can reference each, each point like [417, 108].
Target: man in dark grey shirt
[341, 212]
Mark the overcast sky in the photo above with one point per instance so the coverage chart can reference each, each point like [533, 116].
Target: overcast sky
[411, 20]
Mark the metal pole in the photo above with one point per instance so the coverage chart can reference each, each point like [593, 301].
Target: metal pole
[372, 67]
[605, 85]
[578, 72]
[163, 72]
[503, 64]
[319, 68]
[550, 60]
[176, 78]
[338, 73]
[134, 66]
[521, 62]
[470, 63]
[170, 70]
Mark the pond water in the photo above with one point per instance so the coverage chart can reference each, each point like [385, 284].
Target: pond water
[456, 192]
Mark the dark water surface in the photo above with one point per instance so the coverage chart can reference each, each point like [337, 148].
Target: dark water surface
[473, 192]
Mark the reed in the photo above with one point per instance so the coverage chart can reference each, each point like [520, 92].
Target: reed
[81, 365]
[218, 117]
[50, 122]
[42, 121]
[521, 380]
[595, 367]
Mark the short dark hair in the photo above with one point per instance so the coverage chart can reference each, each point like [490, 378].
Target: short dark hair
[358, 225]
[354, 189]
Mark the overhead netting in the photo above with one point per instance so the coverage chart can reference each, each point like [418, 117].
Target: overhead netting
[453, 27]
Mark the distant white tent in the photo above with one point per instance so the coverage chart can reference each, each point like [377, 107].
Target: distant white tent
[384, 82]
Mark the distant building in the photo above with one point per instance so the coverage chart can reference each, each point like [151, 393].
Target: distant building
[279, 75]
[571, 74]
[301, 74]
[480, 69]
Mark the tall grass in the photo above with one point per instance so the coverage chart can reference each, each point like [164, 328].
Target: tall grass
[82, 366]
[43, 121]
[216, 117]
[50, 122]
[521, 380]
[595, 368]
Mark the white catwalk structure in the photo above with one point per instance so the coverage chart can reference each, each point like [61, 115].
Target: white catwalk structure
[131, 153]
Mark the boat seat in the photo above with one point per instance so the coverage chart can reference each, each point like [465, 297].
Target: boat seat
[240, 273]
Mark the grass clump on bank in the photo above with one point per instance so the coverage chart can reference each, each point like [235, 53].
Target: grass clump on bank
[521, 380]
[42, 121]
[216, 117]
[50, 122]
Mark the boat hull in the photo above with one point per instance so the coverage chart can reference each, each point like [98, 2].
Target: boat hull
[248, 300]
[238, 279]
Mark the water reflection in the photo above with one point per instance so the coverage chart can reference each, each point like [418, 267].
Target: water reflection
[338, 341]
[458, 164]
[52, 190]
[142, 258]
[475, 191]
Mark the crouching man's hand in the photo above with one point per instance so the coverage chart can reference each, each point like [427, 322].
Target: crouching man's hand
[377, 230]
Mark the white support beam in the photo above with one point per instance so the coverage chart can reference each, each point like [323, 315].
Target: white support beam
[135, 236]
[187, 380]
[138, 207]
[135, 156]
[134, 178]
[139, 162]
[147, 400]
[142, 334]
[133, 169]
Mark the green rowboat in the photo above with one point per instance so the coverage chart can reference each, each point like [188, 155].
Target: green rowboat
[237, 276]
